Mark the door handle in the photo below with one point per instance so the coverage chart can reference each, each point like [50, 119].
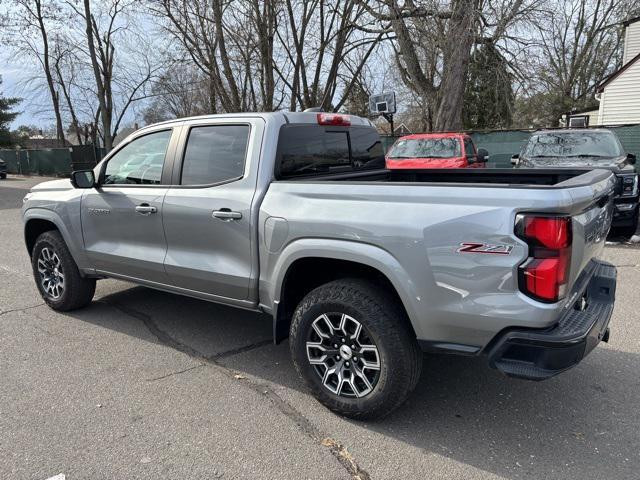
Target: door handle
[145, 209]
[226, 214]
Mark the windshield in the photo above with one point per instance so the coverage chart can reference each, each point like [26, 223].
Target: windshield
[574, 144]
[426, 148]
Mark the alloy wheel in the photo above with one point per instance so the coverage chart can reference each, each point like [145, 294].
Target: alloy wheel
[51, 274]
[343, 354]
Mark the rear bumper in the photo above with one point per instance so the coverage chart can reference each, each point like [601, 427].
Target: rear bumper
[535, 354]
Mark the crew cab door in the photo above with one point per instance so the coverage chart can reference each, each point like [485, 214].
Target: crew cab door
[122, 217]
[207, 212]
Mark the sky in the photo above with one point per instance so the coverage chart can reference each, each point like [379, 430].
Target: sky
[12, 77]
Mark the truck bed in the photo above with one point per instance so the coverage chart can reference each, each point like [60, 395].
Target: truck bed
[495, 177]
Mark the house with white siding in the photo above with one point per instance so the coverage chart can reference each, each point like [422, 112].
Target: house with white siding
[619, 94]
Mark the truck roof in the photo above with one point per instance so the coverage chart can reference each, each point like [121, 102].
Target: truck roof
[573, 130]
[281, 116]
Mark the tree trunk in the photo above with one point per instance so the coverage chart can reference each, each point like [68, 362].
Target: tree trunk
[104, 113]
[456, 57]
[55, 99]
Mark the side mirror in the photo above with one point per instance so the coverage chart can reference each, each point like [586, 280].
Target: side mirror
[483, 155]
[83, 179]
[631, 159]
[515, 159]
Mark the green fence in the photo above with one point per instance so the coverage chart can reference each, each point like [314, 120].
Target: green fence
[53, 162]
[502, 144]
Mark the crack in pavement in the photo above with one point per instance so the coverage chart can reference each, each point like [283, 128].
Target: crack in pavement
[236, 351]
[21, 309]
[175, 373]
[339, 451]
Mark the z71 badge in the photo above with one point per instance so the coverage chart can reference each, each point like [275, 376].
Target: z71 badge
[471, 247]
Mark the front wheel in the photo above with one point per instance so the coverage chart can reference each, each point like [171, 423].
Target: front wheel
[57, 276]
[351, 344]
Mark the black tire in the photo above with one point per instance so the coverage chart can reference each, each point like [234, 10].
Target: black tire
[76, 291]
[385, 324]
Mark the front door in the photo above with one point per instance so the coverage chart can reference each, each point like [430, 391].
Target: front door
[122, 218]
[207, 214]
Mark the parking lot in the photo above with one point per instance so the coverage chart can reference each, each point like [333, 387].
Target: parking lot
[145, 384]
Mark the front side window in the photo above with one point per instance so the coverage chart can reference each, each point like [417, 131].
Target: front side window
[468, 148]
[215, 154]
[140, 162]
[425, 148]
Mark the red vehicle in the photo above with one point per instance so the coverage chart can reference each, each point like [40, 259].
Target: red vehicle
[435, 150]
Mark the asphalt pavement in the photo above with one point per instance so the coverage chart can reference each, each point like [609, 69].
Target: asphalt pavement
[145, 384]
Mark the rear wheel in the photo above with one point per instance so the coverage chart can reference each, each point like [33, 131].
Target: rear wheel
[57, 276]
[351, 343]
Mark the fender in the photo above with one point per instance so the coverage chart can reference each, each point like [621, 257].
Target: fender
[72, 239]
[357, 252]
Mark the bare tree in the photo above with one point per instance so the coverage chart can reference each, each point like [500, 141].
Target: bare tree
[579, 45]
[434, 41]
[328, 44]
[31, 24]
[262, 55]
[116, 91]
[179, 92]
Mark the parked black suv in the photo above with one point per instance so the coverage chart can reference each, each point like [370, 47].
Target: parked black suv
[593, 148]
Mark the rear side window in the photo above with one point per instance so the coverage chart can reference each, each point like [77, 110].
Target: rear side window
[215, 154]
[311, 149]
[366, 148]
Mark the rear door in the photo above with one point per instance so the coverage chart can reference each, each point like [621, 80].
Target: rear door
[207, 212]
[122, 218]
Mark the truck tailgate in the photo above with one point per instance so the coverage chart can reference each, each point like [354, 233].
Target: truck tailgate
[593, 212]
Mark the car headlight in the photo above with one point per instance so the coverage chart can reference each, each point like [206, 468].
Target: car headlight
[629, 184]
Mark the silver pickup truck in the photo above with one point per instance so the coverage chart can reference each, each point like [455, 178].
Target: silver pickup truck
[362, 268]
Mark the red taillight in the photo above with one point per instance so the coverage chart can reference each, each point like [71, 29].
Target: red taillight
[550, 232]
[334, 119]
[545, 274]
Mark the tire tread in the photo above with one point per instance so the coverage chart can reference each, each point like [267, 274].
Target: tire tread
[388, 319]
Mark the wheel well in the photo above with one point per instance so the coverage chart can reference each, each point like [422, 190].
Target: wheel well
[34, 228]
[306, 274]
